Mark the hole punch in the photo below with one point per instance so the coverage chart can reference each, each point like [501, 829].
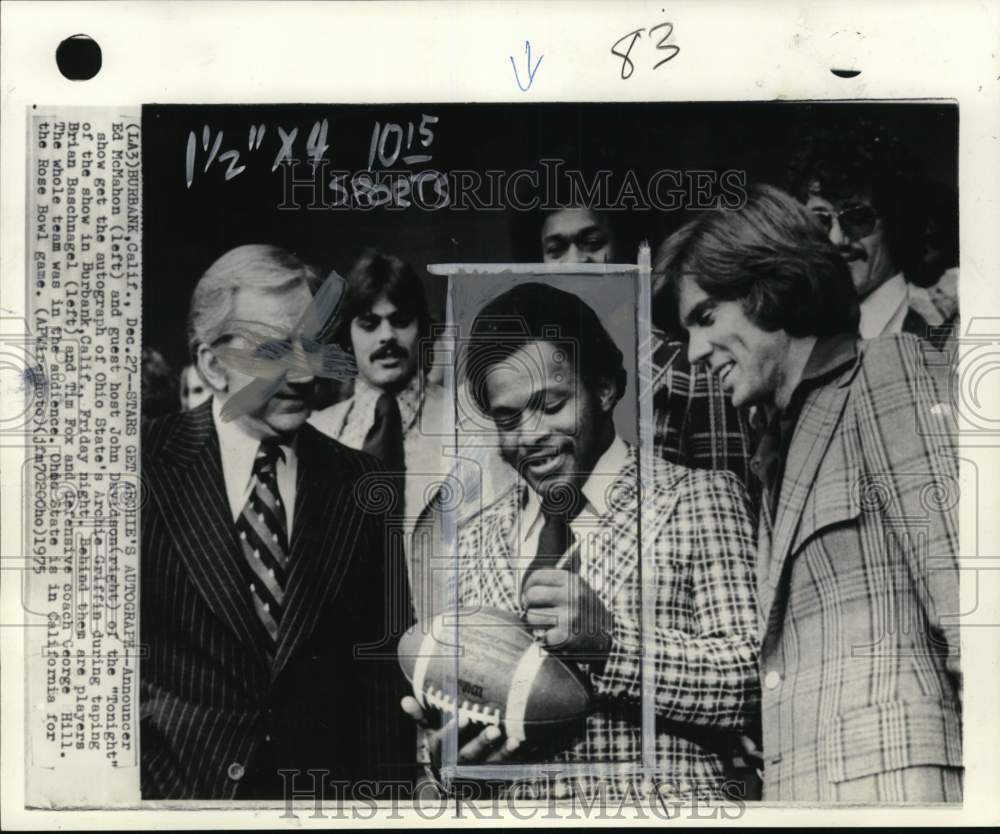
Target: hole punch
[845, 73]
[79, 58]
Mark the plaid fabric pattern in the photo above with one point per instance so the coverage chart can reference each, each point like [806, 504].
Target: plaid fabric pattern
[697, 567]
[695, 423]
[861, 685]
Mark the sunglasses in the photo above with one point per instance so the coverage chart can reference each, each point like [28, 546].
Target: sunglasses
[856, 221]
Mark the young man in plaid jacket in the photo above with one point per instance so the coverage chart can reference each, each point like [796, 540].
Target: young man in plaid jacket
[561, 548]
[858, 537]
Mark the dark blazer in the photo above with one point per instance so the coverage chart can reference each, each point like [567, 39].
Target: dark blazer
[218, 718]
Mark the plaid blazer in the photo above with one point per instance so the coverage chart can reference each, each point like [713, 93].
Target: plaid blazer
[697, 570]
[858, 582]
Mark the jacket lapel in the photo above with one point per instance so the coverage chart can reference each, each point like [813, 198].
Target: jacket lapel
[189, 490]
[814, 429]
[325, 527]
[501, 563]
[613, 552]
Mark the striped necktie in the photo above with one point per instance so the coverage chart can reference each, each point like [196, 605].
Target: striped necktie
[264, 539]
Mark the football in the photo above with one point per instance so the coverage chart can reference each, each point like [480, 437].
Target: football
[486, 666]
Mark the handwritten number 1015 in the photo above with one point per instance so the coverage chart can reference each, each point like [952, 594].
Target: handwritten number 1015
[387, 142]
[669, 50]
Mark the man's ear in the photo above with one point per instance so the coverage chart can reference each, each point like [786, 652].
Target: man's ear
[607, 395]
[212, 369]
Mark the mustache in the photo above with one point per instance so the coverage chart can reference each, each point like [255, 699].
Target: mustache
[390, 350]
[854, 252]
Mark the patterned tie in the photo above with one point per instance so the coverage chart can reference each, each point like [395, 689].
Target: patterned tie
[264, 538]
[385, 438]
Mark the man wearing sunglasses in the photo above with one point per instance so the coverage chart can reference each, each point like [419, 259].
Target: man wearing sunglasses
[262, 574]
[866, 193]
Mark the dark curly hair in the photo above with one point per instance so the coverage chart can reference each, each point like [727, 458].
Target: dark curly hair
[857, 157]
[373, 275]
[533, 312]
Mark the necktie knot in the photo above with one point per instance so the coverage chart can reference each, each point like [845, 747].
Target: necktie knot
[385, 438]
[564, 501]
[387, 407]
[267, 458]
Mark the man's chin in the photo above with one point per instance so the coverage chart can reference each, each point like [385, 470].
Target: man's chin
[287, 423]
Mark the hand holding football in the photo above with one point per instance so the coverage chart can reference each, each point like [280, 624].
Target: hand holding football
[482, 668]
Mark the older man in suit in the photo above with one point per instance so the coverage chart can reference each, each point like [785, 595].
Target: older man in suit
[269, 605]
[561, 547]
[858, 539]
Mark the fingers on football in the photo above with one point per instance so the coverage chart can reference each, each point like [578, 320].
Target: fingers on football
[414, 710]
[539, 596]
[504, 752]
[481, 746]
[557, 638]
[542, 617]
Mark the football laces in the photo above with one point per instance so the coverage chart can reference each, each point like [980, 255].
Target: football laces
[477, 713]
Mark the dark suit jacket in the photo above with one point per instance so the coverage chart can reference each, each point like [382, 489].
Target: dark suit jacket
[218, 719]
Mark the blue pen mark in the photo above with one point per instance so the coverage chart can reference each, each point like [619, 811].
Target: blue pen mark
[531, 71]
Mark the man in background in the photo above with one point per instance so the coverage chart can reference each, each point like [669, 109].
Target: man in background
[867, 193]
[395, 413]
[193, 389]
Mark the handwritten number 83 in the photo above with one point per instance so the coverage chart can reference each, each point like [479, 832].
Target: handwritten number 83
[670, 50]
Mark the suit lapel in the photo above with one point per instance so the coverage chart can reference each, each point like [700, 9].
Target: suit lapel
[625, 529]
[190, 492]
[325, 525]
[496, 550]
[814, 430]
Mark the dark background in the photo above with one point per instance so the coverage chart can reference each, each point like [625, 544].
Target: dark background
[186, 229]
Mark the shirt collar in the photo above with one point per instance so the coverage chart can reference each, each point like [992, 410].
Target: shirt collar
[409, 400]
[595, 489]
[238, 448]
[828, 356]
[882, 305]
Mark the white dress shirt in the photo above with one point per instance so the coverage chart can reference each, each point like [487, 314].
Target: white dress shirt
[426, 422]
[238, 450]
[595, 492]
[884, 309]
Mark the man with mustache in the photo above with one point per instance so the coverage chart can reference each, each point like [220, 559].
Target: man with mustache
[857, 563]
[395, 413]
[561, 547]
[866, 192]
[262, 575]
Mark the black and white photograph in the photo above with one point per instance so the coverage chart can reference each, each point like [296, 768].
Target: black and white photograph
[802, 265]
[467, 414]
